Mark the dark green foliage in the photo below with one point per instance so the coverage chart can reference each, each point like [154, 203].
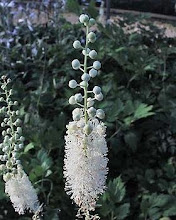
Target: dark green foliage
[112, 202]
[139, 82]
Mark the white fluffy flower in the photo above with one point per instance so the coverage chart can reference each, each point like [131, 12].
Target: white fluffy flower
[22, 194]
[85, 161]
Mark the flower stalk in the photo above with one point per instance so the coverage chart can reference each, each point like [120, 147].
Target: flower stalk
[17, 184]
[85, 162]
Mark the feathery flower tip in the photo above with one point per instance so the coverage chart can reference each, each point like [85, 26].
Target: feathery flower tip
[22, 194]
[85, 173]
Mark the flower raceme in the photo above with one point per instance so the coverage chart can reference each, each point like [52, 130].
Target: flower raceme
[85, 162]
[17, 183]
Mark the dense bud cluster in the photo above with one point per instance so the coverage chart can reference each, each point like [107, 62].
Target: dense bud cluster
[85, 160]
[12, 133]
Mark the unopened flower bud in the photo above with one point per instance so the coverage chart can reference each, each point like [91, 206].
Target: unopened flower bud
[15, 103]
[8, 164]
[86, 53]
[77, 44]
[72, 100]
[3, 133]
[76, 117]
[76, 64]
[83, 84]
[21, 146]
[2, 167]
[96, 65]
[90, 102]
[8, 131]
[73, 84]
[92, 54]
[83, 18]
[100, 113]
[91, 112]
[101, 130]
[19, 130]
[3, 124]
[92, 21]
[91, 37]
[93, 73]
[17, 112]
[72, 127]
[99, 97]
[85, 77]
[78, 97]
[6, 177]
[87, 129]
[96, 90]
[76, 113]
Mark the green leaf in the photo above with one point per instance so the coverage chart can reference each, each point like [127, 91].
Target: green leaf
[28, 147]
[122, 211]
[143, 111]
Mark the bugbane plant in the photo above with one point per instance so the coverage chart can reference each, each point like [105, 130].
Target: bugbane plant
[85, 162]
[17, 184]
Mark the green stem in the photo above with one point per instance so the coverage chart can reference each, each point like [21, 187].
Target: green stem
[85, 71]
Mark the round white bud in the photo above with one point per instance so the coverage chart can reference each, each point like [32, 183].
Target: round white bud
[76, 113]
[6, 177]
[8, 130]
[91, 112]
[92, 21]
[78, 97]
[83, 18]
[84, 51]
[72, 100]
[96, 90]
[76, 117]
[100, 113]
[76, 110]
[15, 103]
[91, 37]
[2, 167]
[85, 77]
[93, 73]
[92, 54]
[6, 148]
[101, 129]
[83, 84]
[90, 102]
[87, 129]
[72, 84]
[96, 65]
[76, 64]
[19, 130]
[99, 97]
[77, 44]
[72, 127]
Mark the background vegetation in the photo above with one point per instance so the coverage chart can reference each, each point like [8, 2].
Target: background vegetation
[139, 83]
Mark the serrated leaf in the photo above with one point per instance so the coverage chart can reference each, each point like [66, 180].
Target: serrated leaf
[143, 111]
[122, 211]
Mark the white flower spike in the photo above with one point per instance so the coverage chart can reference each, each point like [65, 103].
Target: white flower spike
[17, 184]
[85, 162]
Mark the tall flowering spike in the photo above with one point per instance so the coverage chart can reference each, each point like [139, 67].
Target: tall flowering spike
[17, 184]
[85, 162]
